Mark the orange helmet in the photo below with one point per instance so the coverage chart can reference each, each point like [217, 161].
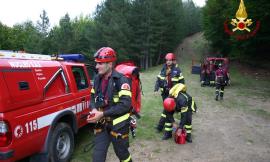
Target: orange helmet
[169, 104]
[170, 56]
[105, 54]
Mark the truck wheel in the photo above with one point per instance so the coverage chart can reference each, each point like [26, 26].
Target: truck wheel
[62, 143]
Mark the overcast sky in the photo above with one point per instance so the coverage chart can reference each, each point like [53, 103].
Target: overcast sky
[18, 11]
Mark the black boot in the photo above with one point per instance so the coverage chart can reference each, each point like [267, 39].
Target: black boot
[159, 128]
[160, 124]
[216, 97]
[189, 139]
[167, 135]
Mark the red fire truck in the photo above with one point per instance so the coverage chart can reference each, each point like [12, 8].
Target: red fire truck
[209, 67]
[43, 103]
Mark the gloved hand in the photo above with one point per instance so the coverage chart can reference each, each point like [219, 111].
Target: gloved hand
[94, 118]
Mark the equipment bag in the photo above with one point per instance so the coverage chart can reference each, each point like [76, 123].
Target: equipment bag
[132, 72]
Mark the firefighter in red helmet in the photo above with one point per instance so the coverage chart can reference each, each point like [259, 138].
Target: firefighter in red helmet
[169, 104]
[167, 78]
[220, 82]
[170, 56]
[179, 101]
[110, 106]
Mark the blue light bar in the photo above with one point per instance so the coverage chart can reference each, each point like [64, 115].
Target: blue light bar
[72, 57]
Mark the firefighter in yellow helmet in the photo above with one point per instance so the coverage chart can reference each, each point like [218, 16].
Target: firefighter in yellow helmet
[110, 105]
[179, 101]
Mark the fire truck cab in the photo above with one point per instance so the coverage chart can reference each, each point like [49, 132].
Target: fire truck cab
[43, 103]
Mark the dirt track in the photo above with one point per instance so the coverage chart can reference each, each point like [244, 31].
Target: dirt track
[222, 132]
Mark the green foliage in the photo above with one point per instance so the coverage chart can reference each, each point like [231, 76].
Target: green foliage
[139, 30]
[26, 37]
[112, 21]
[44, 24]
[192, 16]
[256, 48]
[5, 41]
[214, 17]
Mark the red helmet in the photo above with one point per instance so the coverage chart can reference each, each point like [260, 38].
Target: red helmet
[170, 56]
[169, 104]
[105, 54]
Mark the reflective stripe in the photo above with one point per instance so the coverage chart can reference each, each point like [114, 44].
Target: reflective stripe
[192, 106]
[116, 99]
[184, 109]
[120, 119]
[161, 77]
[188, 131]
[168, 129]
[181, 77]
[185, 96]
[217, 90]
[188, 126]
[127, 160]
[175, 79]
[163, 115]
[221, 91]
[93, 90]
[168, 124]
[124, 92]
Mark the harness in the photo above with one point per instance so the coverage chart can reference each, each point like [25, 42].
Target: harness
[105, 98]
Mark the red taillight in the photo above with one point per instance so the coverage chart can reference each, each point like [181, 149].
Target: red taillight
[5, 134]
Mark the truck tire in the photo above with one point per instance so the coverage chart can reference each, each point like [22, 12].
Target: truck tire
[62, 143]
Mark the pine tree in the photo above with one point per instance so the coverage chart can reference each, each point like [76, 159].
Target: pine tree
[43, 24]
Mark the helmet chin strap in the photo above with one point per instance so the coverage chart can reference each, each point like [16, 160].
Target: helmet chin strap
[108, 71]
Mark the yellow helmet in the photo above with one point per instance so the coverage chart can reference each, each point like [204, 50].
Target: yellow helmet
[176, 89]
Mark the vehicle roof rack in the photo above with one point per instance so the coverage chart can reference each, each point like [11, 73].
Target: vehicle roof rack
[24, 56]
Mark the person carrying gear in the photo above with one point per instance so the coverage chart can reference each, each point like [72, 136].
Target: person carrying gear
[111, 106]
[220, 82]
[168, 77]
[179, 101]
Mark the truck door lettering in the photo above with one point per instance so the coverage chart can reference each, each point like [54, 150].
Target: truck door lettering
[24, 64]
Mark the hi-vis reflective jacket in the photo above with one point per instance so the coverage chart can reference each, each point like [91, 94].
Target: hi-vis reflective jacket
[184, 102]
[116, 104]
[163, 80]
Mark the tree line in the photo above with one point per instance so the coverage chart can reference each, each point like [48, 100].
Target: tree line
[247, 46]
[139, 30]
